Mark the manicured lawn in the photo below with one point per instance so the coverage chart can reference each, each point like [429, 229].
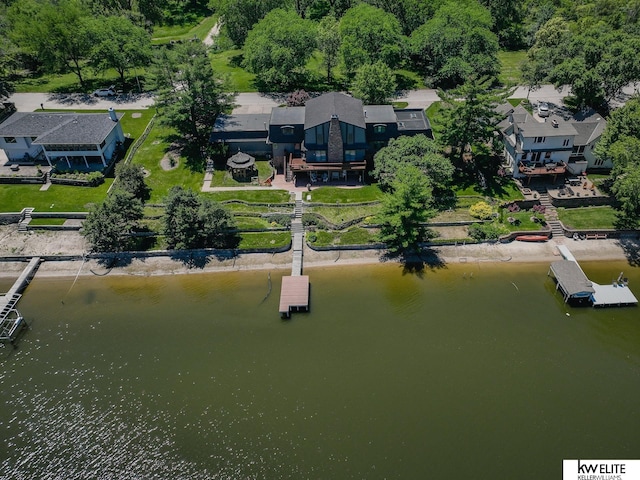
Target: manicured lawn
[587, 217]
[249, 223]
[252, 208]
[434, 113]
[253, 196]
[506, 191]
[523, 221]
[59, 198]
[47, 221]
[222, 178]
[166, 33]
[229, 63]
[68, 82]
[150, 154]
[264, 240]
[352, 236]
[338, 215]
[457, 215]
[511, 67]
[369, 193]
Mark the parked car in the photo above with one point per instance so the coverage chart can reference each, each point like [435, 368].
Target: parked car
[105, 92]
[543, 109]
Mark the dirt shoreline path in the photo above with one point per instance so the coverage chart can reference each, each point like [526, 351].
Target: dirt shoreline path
[14, 243]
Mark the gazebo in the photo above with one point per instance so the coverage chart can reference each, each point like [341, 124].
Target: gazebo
[242, 166]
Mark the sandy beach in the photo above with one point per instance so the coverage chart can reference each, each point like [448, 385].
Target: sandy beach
[14, 243]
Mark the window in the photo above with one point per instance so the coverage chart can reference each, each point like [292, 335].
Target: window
[321, 156]
[349, 155]
[539, 139]
[579, 150]
[10, 140]
[379, 128]
[599, 162]
[287, 130]
[547, 155]
[566, 142]
[320, 134]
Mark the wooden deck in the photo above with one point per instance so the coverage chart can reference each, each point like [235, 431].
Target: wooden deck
[294, 295]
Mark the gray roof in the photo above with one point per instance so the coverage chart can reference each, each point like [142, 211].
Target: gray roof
[287, 116]
[412, 119]
[379, 114]
[59, 128]
[242, 123]
[571, 278]
[241, 160]
[319, 110]
[589, 126]
[532, 128]
[504, 109]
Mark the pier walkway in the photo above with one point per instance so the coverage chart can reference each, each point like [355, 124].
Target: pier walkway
[294, 293]
[575, 285]
[11, 322]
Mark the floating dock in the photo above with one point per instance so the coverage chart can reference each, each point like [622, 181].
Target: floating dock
[11, 321]
[576, 286]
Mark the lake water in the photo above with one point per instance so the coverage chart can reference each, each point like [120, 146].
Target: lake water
[468, 371]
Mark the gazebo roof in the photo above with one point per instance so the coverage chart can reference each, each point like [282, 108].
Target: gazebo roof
[241, 160]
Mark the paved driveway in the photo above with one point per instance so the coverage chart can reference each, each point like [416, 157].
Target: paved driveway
[29, 102]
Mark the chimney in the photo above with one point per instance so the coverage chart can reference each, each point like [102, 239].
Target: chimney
[112, 114]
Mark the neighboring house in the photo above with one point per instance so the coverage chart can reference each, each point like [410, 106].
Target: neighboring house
[551, 147]
[81, 139]
[333, 133]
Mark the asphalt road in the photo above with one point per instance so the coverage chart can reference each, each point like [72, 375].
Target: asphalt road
[263, 102]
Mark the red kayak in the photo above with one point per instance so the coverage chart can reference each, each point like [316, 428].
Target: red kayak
[532, 238]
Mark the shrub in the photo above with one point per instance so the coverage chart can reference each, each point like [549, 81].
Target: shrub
[487, 231]
[481, 210]
[281, 219]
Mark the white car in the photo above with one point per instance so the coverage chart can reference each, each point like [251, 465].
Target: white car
[543, 109]
[105, 92]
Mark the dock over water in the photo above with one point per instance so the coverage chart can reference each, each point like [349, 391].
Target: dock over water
[11, 321]
[294, 292]
[575, 285]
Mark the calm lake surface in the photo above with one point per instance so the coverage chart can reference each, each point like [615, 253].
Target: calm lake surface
[468, 371]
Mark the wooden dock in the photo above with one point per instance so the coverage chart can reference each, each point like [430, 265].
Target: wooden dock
[294, 292]
[11, 321]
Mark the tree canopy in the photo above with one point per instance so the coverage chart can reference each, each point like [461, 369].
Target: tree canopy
[369, 34]
[456, 44]
[190, 94]
[191, 221]
[405, 209]
[278, 48]
[374, 84]
[239, 16]
[418, 151]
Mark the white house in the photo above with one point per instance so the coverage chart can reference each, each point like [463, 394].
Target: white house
[553, 146]
[74, 138]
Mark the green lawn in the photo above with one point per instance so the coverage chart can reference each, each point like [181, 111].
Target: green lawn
[58, 198]
[264, 240]
[511, 67]
[587, 217]
[253, 196]
[369, 193]
[352, 236]
[222, 178]
[229, 63]
[46, 221]
[504, 191]
[68, 82]
[434, 113]
[523, 221]
[338, 215]
[166, 33]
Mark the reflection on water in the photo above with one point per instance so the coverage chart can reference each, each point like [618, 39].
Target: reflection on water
[466, 371]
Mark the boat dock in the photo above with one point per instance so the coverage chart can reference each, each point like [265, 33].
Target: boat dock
[294, 292]
[11, 321]
[576, 286]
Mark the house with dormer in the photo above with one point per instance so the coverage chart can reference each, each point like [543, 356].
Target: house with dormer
[332, 136]
[551, 147]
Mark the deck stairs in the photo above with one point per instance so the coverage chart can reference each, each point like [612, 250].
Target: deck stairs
[26, 218]
[551, 216]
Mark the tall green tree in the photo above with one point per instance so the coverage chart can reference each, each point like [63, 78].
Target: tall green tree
[277, 49]
[194, 222]
[456, 44]
[418, 151]
[626, 188]
[508, 16]
[410, 13]
[624, 122]
[405, 209]
[119, 44]
[329, 43]
[8, 53]
[58, 34]
[374, 84]
[470, 118]
[369, 34]
[109, 225]
[190, 94]
[130, 178]
[240, 16]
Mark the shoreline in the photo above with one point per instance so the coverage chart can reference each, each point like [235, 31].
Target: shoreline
[514, 252]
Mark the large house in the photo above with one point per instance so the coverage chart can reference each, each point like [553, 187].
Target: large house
[75, 139]
[535, 148]
[332, 134]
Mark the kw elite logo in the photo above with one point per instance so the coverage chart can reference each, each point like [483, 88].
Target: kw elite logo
[601, 470]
